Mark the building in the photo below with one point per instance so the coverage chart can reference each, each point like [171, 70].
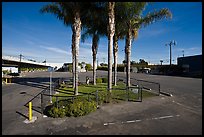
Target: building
[67, 67]
[191, 64]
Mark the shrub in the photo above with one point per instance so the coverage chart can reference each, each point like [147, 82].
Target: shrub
[102, 68]
[104, 80]
[102, 97]
[80, 108]
[88, 67]
[56, 112]
[98, 80]
[120, 68]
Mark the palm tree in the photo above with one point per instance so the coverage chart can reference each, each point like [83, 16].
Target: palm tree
[119, 34]
[95, 26]
[70, 13]
[111, 31]
[134, 21]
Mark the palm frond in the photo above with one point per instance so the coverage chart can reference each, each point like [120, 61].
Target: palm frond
[54, 9]
[155, 16]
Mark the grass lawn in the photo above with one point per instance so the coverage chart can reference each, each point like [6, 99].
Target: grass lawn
[89, 91]
[65, 103]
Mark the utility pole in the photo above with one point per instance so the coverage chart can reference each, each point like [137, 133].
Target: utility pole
[161, 62]
[20, 57]
[173, 42]
[97, 62]
[19, 66]
[183, 52]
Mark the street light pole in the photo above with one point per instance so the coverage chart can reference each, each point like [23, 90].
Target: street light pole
[19, 66]
[173, 42]
[183, 52]
[161, 62]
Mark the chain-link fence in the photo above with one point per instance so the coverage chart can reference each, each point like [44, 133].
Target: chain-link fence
[134, 93]
[149, 86]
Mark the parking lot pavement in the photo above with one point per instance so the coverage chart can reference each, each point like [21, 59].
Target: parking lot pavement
[160, 115]
[155, 115]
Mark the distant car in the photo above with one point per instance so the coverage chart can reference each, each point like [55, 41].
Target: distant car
[145, 70]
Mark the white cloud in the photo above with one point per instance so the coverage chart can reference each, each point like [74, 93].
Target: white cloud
[188, 49]
[143, 33]
[89, 44]
[56, 50]
[30, 42]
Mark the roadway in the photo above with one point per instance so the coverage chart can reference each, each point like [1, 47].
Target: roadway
[179, 114]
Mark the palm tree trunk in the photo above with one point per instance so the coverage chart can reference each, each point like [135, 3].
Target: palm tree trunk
[73, 61]
[111, 31]
[94, 69]
[77, 34]
[128, 54]
[94, 51]
[115, 54]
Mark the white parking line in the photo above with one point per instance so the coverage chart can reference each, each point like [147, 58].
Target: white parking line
[163, 117]
[139, 120]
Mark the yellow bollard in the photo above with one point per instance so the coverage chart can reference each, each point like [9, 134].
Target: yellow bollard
[6, 80]
[30, 111]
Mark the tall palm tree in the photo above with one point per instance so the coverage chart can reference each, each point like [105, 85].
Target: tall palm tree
[70, 13]
[111, 31]
[134, 21]
[95, 26]
[119, 34]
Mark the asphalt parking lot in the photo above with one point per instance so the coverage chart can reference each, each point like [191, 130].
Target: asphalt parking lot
[180, 114]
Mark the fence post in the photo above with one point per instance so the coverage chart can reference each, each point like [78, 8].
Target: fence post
[141, 93]
[57, 101]
[127, 93]
[42, 103]
[97, 97]
[159, 88]
[89, 97]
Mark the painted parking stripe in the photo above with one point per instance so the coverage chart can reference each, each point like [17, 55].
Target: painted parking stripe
[163, 117]
[139, 120]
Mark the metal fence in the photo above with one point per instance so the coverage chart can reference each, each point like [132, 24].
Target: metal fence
[133, 93]
[48, 96]
[149, 86]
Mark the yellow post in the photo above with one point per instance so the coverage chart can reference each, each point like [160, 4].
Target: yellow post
[6, 80]
[30, 111]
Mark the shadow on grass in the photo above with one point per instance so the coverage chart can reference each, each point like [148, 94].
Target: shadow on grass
[70, 92]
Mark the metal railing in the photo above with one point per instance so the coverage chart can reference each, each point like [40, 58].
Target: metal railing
[150, 86]
[133, 93]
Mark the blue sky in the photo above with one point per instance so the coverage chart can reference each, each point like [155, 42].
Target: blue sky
[42, 36]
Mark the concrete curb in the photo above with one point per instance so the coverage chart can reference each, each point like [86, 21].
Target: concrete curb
[165, 93]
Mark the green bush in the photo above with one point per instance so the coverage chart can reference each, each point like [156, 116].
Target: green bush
[80, 108]
[99, 80]
[56, 112]
[102, 68]
[102, 97]
[120, 68]
[104, 80]
[88, 67]
[5, 71]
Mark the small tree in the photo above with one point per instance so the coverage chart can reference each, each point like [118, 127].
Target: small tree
[88, 67]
